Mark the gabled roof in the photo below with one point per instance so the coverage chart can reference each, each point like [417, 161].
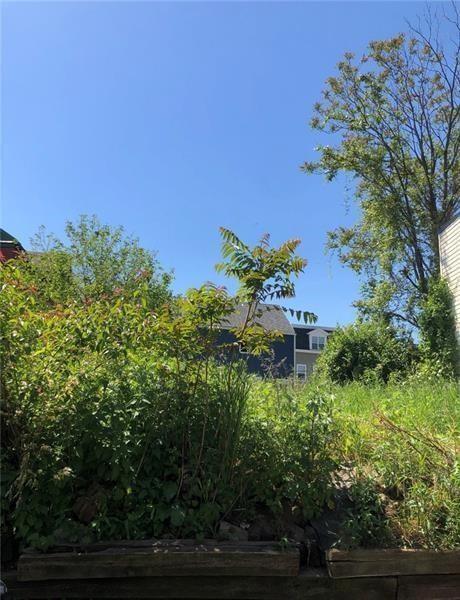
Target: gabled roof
[271, 318]
[313, 327]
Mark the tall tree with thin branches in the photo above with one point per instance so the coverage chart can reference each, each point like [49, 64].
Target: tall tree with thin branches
[394, 119]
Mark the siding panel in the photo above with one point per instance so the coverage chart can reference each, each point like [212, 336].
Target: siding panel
[449, 249]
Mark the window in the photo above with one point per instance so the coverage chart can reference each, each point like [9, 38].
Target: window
[301, 371]
[318, 342]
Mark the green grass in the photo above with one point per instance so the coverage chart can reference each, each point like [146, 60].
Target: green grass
[434, 406]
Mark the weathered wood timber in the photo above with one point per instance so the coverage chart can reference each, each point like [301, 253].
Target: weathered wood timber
[310, 584]
[184, 569]
[429, 587]
[368, 563]
[173, 544]
[161, 559]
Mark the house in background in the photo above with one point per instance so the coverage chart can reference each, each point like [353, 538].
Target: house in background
[295, 353]
[449, 251]
[10, 247]
[310, 341]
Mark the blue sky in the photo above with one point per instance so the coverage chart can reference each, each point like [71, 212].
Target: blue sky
[175, 118]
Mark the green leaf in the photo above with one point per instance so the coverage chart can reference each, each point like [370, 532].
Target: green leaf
[169, 490]
[177, 515]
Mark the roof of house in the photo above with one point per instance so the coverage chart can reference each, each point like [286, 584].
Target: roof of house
[313, 327]
[7, 239]
[271, 317]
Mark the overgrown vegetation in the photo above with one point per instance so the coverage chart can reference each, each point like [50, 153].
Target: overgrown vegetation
[402, 442]
[95, 259]
[121, 420]
[439, 347]
[125, 415]
[397, 456]
[118, 421]
[369, 351]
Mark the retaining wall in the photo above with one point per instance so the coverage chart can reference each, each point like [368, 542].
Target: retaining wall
[238, 571]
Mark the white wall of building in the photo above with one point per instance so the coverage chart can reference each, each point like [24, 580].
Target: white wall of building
[449, 249]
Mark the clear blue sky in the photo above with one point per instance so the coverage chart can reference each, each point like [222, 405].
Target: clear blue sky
[175, 118]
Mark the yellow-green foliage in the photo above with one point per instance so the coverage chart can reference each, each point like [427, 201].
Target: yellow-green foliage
[406, 438]
[401, 445]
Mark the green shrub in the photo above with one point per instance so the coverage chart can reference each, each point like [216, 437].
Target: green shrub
[364, 351]
[118, 421]
[367, 524]
[438, 342]
[296, 434]
[94, 259]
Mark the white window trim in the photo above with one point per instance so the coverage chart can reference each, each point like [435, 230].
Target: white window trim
[317, 333]
[294, 344]
[302, 371]
[319, 341]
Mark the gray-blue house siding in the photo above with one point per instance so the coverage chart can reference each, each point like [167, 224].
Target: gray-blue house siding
[272, 318]
[280, 361]
[295, 347]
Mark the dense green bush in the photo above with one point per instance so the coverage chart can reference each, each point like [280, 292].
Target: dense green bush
[438, 342]
[119, 421]
[94, 259]
[368, 350]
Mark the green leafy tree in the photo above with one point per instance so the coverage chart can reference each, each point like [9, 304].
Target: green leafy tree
[394, 120]
[95, 259]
